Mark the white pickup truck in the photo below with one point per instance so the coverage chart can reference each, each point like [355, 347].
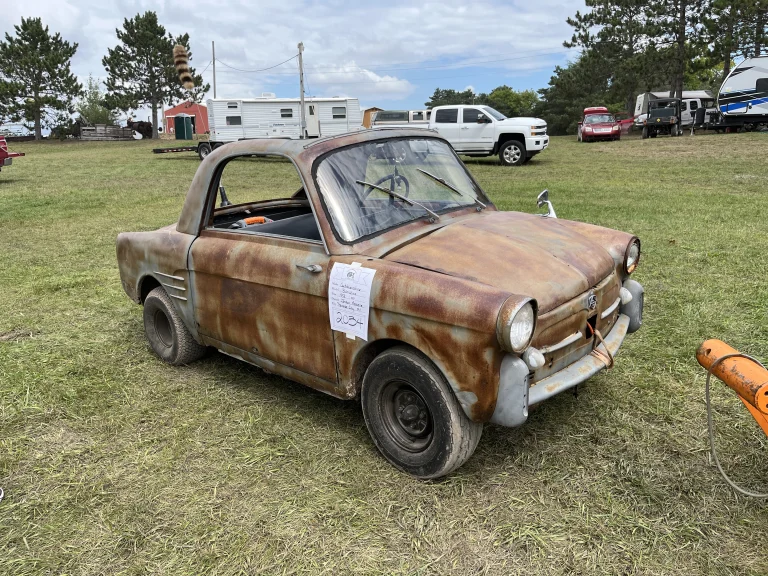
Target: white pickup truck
[482, 131]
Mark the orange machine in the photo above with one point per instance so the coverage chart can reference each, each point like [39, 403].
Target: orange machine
[745, 376]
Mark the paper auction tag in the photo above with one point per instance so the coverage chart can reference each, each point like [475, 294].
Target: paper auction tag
[349, 299]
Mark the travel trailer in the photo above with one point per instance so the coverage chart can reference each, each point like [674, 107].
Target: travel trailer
[743, 96]
[235, 119]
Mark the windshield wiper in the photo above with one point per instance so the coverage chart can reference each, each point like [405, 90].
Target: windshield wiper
[451, 187]
[434, 215]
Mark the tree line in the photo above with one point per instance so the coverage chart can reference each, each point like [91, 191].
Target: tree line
[634, 46]
[39, 90]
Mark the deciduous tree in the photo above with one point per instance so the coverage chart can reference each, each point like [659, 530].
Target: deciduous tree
[92, 107]
[36, 83]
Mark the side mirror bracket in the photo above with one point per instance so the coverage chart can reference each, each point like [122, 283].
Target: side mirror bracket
[543, 200]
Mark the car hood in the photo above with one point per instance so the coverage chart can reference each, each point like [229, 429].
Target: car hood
[523, 121]
[525, 254]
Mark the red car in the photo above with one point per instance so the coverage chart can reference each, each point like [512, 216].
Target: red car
[598, 124]
[6, 157]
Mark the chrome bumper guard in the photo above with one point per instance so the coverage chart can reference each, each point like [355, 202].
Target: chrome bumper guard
[515, 395]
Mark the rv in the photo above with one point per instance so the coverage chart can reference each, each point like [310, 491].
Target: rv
[692, 100]
[230, 120]
[743, 97]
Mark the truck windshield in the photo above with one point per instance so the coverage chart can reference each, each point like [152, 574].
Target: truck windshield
[351, 180]
[495, 113]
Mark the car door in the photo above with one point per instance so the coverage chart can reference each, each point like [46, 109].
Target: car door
[265, 294]
[447, 125]
[685, 112]
[476, 135]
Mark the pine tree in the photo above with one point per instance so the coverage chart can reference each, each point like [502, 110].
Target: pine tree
[36, 83]
[141, 71]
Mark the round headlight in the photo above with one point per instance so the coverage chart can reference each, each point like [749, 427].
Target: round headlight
[521, 328]
[632, 257]
[516, 325]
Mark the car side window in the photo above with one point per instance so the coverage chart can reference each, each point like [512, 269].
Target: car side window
[262, 194]
[694, 105]
[684, 106]
[470, 115]
[761, 84]
[449, 116]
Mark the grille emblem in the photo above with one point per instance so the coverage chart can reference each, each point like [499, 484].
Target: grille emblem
[592, 301]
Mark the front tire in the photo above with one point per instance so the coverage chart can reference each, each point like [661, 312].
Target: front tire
[167, 335]
[645, 132]
[413, 416]
[512, 153]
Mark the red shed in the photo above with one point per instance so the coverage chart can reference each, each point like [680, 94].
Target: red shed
[198, 112]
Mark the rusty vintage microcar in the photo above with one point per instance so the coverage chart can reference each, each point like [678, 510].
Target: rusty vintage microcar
[473, 314]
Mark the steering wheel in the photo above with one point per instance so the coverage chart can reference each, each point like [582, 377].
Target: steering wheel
[394, 178]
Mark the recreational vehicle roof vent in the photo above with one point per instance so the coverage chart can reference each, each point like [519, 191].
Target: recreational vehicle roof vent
[268, 95]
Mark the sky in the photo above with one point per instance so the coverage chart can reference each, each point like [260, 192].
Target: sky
[388, 54]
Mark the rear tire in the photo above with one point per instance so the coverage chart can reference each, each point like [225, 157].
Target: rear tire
[167, 335]
[645, 132]
[512, 153]
[413, 416]
[203, 150]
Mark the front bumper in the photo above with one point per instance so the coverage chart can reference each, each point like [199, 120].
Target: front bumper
[515, 395]
[536, 144]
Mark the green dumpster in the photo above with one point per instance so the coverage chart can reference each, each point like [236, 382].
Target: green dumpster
[182, 126]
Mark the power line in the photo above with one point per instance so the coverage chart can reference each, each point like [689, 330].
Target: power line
[420, 78]
[261, 69]
[206, 68]
[375, 69]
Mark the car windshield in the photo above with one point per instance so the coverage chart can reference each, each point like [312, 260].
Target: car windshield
[493, 112]
[360, 185]
[598, 119]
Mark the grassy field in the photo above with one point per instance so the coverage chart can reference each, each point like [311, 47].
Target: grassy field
[114, 463]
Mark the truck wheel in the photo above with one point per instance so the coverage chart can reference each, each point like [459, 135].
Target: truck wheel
[167, 335]
[413, 416]
[216, 145]
[203, 150]
[645, 132]
[512, 153]
[653, 134]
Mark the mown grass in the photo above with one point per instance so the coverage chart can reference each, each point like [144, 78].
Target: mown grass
[114, 463]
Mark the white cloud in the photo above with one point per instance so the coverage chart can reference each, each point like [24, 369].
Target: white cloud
[358, 48]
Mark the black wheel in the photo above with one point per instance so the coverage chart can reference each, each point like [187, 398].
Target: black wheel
[645, 132]
[203, 150]
[216, 145]
[167, 335]
[653, 134]
[512, 153]
[413, 415]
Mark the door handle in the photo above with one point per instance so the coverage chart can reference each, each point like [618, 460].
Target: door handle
[465, 127]
[314, 268]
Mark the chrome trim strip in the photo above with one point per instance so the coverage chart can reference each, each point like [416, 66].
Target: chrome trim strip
[608, 311]
[562, 344]
[177, 297]
[174, 287]
[172, 277]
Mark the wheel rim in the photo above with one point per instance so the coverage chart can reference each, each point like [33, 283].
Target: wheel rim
[512, 154]
[163, 328]
[204, 151]
[406, 416]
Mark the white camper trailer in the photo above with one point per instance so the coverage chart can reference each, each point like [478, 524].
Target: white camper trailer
[230, 120]
[692, 100]
[744, 93]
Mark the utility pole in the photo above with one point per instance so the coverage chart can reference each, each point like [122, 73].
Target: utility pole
[213, 50]
[301, 90]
